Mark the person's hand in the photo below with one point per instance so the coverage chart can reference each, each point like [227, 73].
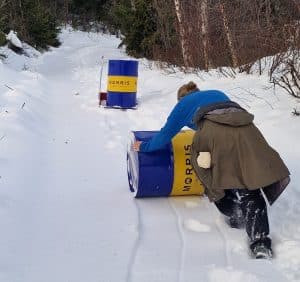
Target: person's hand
[136, 146]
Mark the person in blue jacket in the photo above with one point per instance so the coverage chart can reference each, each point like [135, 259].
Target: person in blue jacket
[226, 131]
[182, 115]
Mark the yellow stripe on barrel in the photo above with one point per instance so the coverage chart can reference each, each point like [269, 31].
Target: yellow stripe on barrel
[122, 84]
[185, 180]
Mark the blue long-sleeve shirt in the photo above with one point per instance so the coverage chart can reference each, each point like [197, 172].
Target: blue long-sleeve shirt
[182, 115]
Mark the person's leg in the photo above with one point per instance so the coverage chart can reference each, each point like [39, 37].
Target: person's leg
[230, 206]
[254, 209]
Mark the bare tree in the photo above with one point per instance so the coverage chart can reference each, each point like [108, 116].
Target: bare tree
[204, 32]
[183, 35]
[168, 46]
[285, 69]
[297, 4]
[3, 3]
[229, 36]
[287, 73]
[161, 22]
[133, 7]
[66, 11]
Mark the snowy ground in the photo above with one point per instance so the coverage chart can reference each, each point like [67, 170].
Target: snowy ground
[66, 213]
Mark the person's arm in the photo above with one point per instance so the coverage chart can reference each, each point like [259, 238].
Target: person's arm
[178, 118]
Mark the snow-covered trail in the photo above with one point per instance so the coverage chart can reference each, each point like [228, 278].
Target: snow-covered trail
[66, 211]
[67, 220]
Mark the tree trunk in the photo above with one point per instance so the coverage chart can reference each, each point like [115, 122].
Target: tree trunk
[297, 4]
[2, 15]
[23, 27]
[229, 37]
[268, 13]
[66, 11]
[204, 32]
[161, 23]
[183, 38]
[133, 7]
[2, 3]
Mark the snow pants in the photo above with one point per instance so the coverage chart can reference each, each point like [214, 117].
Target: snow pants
[246, 208]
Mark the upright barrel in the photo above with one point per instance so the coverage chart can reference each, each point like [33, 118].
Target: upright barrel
[122, 83]
[167, 172]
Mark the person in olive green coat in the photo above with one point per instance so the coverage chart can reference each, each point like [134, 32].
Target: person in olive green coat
[240, 155]
[231, 158]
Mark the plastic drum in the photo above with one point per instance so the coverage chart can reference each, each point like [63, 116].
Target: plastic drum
[167, 172]
[122, 83]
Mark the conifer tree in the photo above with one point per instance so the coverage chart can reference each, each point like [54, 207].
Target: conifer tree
[32, 20]
[40, 24]
[136, 19]
[2, 22]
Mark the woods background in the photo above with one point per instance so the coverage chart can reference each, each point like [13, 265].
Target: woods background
[201, 34]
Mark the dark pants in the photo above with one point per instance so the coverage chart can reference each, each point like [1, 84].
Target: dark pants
[248, 208]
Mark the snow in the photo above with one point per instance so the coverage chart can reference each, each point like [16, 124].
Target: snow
[196, 226]
[14, 40]
[66, 211]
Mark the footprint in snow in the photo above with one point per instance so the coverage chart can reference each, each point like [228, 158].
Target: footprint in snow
[191, 204]
[196, 226]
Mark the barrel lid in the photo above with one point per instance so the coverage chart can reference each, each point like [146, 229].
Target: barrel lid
[132, 168]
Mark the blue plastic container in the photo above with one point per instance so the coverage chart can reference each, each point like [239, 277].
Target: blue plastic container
[122, 83]
[167, 172]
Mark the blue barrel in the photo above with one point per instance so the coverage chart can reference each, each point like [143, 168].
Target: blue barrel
[167, 172]
[122, 83]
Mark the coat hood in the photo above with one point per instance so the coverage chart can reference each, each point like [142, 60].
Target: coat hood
[239, 118]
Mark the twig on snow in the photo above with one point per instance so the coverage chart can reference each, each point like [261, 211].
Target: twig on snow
[9, 87]
[296, 112]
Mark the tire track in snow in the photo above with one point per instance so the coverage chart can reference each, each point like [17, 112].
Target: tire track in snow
[209, 207]
[155, 254]
[137, 243]
[202, 240]
[182, 240]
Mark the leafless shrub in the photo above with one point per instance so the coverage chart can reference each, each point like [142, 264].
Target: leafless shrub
[219, 33]
[227, 72]
[285, 68]
[286, 72]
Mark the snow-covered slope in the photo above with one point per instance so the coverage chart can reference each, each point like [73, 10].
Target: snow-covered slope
[66, 213]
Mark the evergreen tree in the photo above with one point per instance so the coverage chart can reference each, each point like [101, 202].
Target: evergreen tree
[2, 22]
[32, 20]
[87, 11]
[136, 21]
[41, 26]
